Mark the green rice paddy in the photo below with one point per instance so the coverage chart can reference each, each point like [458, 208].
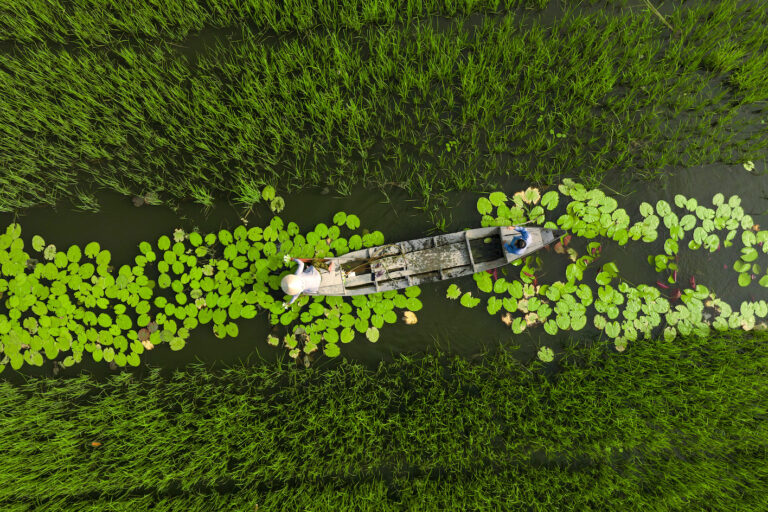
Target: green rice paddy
[658, 405]
[429, 107]
[666, 426]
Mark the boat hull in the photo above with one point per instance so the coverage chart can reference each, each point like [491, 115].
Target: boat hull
[425, 260]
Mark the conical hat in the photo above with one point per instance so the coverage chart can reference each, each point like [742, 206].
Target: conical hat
[292, 284]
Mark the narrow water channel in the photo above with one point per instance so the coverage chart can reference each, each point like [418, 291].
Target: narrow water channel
[443, 323]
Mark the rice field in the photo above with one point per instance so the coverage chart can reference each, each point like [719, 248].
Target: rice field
[664, 426]
[151, 103]
[250, 101]
[85, 22]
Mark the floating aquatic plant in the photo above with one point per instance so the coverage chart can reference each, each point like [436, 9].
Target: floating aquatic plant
[218, 278]
[212, 279]
[623, 312]
[546, 354]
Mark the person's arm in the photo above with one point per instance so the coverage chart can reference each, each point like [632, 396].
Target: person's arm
[301, 266]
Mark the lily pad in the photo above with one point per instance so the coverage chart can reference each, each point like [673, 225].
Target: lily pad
[497, 198]
[50, 252]
[331, 350]
[546, 354]
[372, 334]
[38, 244]
[749, 254]
[550, 200]
[468, 301]
[484, 206]
[353, 221]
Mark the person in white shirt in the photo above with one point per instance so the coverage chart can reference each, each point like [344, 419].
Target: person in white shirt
[306, 279]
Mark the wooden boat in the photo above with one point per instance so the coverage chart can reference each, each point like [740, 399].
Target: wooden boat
[425, 260]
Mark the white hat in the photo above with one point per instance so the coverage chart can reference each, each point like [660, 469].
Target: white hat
[292, 284]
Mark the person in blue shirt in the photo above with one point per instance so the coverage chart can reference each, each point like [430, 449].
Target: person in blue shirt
[518, 244]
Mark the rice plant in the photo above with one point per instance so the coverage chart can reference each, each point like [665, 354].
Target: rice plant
[587, 95]
[664, 426]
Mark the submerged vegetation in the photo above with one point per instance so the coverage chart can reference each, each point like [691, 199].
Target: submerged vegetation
[425, 106]
[665, 426]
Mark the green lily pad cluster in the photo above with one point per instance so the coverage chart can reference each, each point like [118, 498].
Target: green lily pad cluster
[326, 321]
[525, 207]
[68, 305]
[622, 311]
[712, 228]
[71, 302]
[591, 213]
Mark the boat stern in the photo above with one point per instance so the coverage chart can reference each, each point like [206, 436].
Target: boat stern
[539, 237]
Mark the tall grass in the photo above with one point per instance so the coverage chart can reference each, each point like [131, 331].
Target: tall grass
[664, 426]
[90, 22]
[377, 105]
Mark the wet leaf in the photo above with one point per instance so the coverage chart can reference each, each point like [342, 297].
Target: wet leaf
[412, 291]
[177, 343]
[225, 237]
[497, 198]
[531, 195]
[494, 305]
[277, 204]
[50, 252]
[353, 222]
[38, 244]
[484, 206]
[331, 350]
[545, 354]
[749, 254]
[372, 334]
[468, 301]
[744, 279]
[550, 200]
[415, 304]
[484, 282]
[578, 322]
[268, 192]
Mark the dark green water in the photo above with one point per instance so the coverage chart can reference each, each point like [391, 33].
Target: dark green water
[443, 323]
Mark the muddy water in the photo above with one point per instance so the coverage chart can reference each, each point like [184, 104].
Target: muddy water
[442, 323]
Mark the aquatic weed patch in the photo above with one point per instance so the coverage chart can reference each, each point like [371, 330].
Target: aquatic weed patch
[73, 302]
[623, 311]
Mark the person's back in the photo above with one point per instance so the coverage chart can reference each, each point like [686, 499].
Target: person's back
[311, 277]
[306, 279]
